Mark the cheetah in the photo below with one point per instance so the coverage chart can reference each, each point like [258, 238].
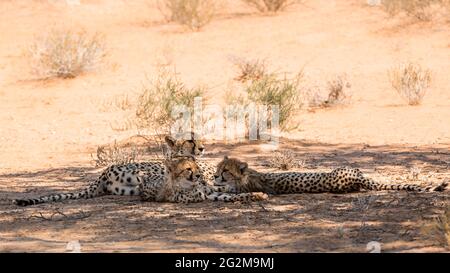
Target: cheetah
[182, 184]
[125, 179]
[236, 177]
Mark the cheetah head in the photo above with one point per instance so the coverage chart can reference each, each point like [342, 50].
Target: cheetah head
[236, 174]
[231, 172]
[189, 146]
[182, 173]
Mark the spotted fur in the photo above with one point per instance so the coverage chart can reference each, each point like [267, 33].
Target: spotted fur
[183, 184]
[127, 179]
[237, 177]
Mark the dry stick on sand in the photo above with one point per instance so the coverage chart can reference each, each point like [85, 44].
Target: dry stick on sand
[79, 216]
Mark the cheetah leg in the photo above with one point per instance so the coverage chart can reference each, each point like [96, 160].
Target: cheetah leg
[226, 197]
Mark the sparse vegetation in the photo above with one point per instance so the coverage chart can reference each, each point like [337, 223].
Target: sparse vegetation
[250, 70]
[191, 13]
[66, 53]
[283, 92]
[113, 154]
[411, 81]
[156, 102]
[263, 87]
[285, 160]
[439, 229]
[421, 10]
[269, 5]
[336, 93]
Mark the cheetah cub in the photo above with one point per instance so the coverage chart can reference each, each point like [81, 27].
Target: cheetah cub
[235, 176]
[183, 184]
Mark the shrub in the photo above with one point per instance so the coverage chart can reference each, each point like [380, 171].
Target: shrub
[418, 9]
[113, 154]
[269, 5]
[250, 70]
[283, 92]
[411, 81]
[155, 104]
[66, 53]
[192, 13]
[337, 93]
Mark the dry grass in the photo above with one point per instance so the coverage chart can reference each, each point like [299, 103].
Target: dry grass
[336, 93]
[113, 154]
[411, 81]
[285, 160]
[66, 53]
[422, 10]
[439, 229]
[159, 99]
[193, 14]
[250, 70]
[270, 5]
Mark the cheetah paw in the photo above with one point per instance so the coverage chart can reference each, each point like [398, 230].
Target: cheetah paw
[259, 196]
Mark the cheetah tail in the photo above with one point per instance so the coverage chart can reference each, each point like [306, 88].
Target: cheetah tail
[90, 192]
[370, 184]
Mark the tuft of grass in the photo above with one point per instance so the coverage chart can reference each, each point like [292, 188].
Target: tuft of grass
[422, 10]
[156, 102]
[272, 6]
[193, 14]
[107, 155]
[439, 229]
[250, 70]
[285, 160]
[66, 53]
[411, 81]
[336, 93]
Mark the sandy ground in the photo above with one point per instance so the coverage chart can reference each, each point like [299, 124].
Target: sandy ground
[50, 128]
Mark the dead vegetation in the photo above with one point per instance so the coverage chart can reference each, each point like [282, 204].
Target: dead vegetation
[421, 10]
[411, 81]
[194, 14]
[113, 154]
[66, 53]
[271, 6]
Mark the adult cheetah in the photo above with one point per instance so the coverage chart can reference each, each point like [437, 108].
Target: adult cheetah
[126, 179]
[182, 184]
[237, 177]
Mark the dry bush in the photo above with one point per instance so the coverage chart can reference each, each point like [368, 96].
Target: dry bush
[269, 5]
[113, 154]
[285, 160]
[418, 9]
[411, 81]
[250, 70]
[66, 53]
[336, 93]
[191, 13]
[156, 102]
[439, 229]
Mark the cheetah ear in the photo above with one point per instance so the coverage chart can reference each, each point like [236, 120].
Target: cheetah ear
[225, 157]
[243, 167]
[170, 141]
